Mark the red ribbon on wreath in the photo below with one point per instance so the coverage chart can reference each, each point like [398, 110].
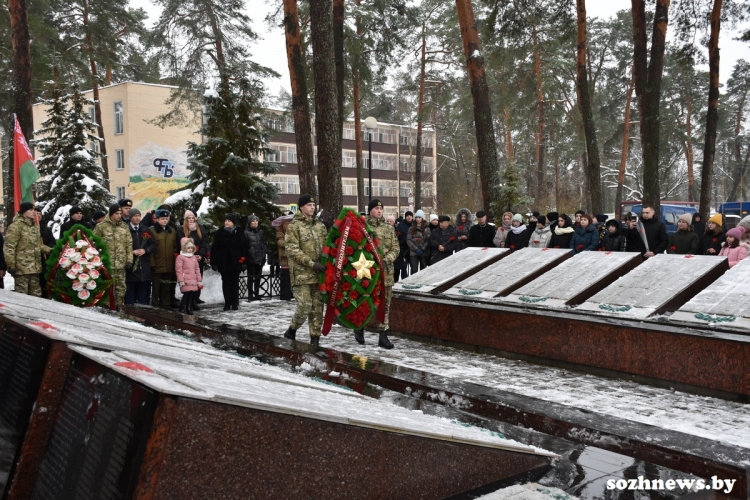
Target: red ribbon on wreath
[332, 295]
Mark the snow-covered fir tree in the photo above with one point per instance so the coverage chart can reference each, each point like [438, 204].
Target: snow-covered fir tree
[71, 174]
[227, 169]
[511, 197]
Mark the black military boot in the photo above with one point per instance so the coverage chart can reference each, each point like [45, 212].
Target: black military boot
[290, 334]
[315, 341]
[359, 336]
[383, 341]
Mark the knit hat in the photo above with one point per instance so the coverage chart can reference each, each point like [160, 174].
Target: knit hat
[541, 219]
[736, 233]
[134, 212]
[188, 213]
[114, 209]
[419, 214]
[233, 217]
[161, 213]
[25, 206]
[304, 200]
[601, 218]
[481, 213]
[444, 218]
[373, 203]
[433, 217]
[184, 240]
[535, 214]
[518, 217]
[408, 213]
[98, 214]
[125, 202]
[716, 219]
[686, 218]
[252, 217]
[75, 210]
[553, 216]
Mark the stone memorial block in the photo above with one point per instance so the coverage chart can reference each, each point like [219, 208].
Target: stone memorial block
[514, 271]
[218, 432]
[723, 304]
[441, 276]
[575, 280]
[661, 284]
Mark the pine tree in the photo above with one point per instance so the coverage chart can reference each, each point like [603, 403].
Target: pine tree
[510, 195]
[226, 169]
[71, 173]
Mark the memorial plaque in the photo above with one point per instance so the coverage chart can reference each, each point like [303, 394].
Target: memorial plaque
[661, 284]
[724, 304]
[514, 271]
[99, 436]
[22, 358]
[451, 270]
[575, 280]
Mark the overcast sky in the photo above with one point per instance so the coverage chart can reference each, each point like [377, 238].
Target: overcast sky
[270, 50]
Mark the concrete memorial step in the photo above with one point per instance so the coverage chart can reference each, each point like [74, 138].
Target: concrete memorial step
[661, 284]
[725, 304]
[512, 272]
[449, 271]
[575, 280]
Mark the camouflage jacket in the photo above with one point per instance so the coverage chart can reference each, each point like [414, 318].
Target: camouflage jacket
[304, 242]
[116, 236]
[389, 247]
[24, 247]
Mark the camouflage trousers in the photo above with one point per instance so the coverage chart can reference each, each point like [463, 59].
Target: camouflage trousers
[388, 295]
[309, 307]
[28, 284]
[121, 286]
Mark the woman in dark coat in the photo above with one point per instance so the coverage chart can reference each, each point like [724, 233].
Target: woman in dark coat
[191, 229]
[256, 257]
[684, 241]
[614, 239]
[518, 236]
[714, 237]
[228, 256]
[563, 233]
[138, 275]
[586, 236]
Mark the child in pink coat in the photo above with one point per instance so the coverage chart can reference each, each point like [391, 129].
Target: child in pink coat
[731, 248]
[188, 275]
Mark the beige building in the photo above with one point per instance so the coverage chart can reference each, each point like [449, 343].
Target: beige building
[146, 161]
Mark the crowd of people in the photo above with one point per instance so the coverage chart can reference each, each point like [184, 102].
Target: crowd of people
[150, 254]
[423, 243]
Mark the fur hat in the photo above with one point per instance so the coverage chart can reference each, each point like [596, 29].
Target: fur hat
[125, 202]
[161, 213]
[716, 219]
[114, 209]
[25, 206]
[481, 213]
[304, 200]
[374, 203]
[444, 218]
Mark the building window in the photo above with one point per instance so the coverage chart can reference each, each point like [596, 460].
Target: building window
[92, 115]
[119, 159]
[119, 118]
[120, 192]
[271, 156]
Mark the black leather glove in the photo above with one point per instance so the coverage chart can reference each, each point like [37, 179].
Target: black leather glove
[319, 268]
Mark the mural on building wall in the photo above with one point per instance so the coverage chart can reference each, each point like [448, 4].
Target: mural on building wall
[154, 172]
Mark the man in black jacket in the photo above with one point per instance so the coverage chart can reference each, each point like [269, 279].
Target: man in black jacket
[138, 274]
[443, 240]
[256, 257]
[75, 217]
[481, 233]
[655, 231]
[403, 257]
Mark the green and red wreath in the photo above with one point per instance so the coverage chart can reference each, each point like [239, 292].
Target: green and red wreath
[79, 269]
[353, 284]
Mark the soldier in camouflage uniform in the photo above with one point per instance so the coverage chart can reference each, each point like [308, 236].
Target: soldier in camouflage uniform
[116, 235]
[389, 251]
[24, 249]
[304, 242]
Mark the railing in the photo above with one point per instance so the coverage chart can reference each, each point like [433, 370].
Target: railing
[270, 286]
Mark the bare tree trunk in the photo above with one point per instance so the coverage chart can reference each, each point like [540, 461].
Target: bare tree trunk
[510, 153]
[485, 131]
[625, 146]
[420, 122]
[300, 102]
[541, 118]
[648, 79]
[358, 122]
[327, 128]
[737, 150]
[592, 148]
[338, 47]
[712, 116]
[556, 160]
[689, 146]
[95, 90]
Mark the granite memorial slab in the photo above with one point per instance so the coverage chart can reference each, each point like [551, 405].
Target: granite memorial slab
[512, 272]
[444, 274]
[575, 280]
[724, 304]
[661, 284]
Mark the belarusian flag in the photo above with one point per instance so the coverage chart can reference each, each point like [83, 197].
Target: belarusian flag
[24, 170]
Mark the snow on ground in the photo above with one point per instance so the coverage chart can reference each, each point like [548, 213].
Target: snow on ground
[529, 491]
[707, 417]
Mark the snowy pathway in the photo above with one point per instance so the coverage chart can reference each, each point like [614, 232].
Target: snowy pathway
[711, 418]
